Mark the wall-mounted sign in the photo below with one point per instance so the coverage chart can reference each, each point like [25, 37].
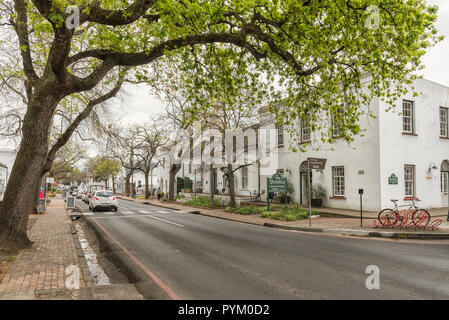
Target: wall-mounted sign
[360, 172]
[50, 180]
[317, 163]
[392, 179]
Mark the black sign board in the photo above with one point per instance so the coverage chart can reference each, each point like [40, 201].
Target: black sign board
[41, 208]
[317, 163]
[70, 204]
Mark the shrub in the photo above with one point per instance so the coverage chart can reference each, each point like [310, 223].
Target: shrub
[318, 191]
[249, 210]
[204, 202]
[288, 214]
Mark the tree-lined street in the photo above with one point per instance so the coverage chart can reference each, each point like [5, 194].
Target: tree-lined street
[200, 257]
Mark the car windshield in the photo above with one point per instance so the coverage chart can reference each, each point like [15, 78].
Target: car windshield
[105, 194]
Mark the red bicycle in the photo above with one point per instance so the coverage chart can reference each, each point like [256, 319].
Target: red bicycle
[412, 217]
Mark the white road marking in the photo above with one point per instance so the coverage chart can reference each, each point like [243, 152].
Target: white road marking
[88, 213]
[99, 276]
[163, 211]
[127, 212]
[109, 212]
[143, 211]
[176, 224]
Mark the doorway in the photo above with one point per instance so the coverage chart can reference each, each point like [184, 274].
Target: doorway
[304, 183]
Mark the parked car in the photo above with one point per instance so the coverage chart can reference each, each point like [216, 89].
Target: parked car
[79, 193]
[84, 196]
[103, 199]
[91, 188]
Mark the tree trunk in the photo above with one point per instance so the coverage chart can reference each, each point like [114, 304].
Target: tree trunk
[128, 183]
[113, 185]
[171, 183]
[19, 199]
[231, 186]
[211, 185]
[147, 193]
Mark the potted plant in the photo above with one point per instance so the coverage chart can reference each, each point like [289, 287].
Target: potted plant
[318, 194]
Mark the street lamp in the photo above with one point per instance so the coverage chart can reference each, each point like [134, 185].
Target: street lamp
[432, 166]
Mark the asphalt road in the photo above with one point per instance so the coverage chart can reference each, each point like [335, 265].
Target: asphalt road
[200, 257]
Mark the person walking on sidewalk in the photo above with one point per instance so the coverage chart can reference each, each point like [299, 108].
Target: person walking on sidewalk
[159, 193]
[134, 194]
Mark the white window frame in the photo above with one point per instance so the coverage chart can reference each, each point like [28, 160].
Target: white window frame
[444, 122]
[338, 181]
[408, 116]
[280, 135]
[305, 131]
[444, 178]
[410, 181]
[244, 174]
[336, 132]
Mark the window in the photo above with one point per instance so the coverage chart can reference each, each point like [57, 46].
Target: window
[305, 131]
[337, 120]
[244, 177]
[280, 131]
[409, 179]
[163, 162]
[408, 124]
[338, 181]
[268, 144]
[444, 132]
[444, 176]
[444, 180]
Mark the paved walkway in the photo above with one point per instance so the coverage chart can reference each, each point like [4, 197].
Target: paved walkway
[43, 266]
[45, 270]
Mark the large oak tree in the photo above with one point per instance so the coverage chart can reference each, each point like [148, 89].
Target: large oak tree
[319, 50]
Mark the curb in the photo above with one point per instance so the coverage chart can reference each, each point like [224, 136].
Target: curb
[346, 232]
[148, 288]
[362, 233]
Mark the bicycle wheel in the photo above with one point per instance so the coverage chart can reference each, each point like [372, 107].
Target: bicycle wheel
[387, 217]
[421, 218]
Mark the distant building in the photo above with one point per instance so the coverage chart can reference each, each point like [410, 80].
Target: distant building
[7, 158]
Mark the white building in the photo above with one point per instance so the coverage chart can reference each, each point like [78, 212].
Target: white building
[7, 158]
[409, 144]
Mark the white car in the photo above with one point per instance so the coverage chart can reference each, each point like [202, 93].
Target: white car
[79, 193]
[103, 199]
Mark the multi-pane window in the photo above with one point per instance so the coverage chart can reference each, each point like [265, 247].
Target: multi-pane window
[408, 122]
[305, 131]
[245, 177]
[444, 181]
[409, 180]
[338, 181]
[444, 129]
[280, 131]
[337, 120]
[268, 143]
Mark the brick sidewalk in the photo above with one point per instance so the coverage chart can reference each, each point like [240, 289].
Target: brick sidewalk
[43, 266]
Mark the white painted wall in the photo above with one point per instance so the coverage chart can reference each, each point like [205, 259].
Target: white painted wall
[421, 150]
[7, 157]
